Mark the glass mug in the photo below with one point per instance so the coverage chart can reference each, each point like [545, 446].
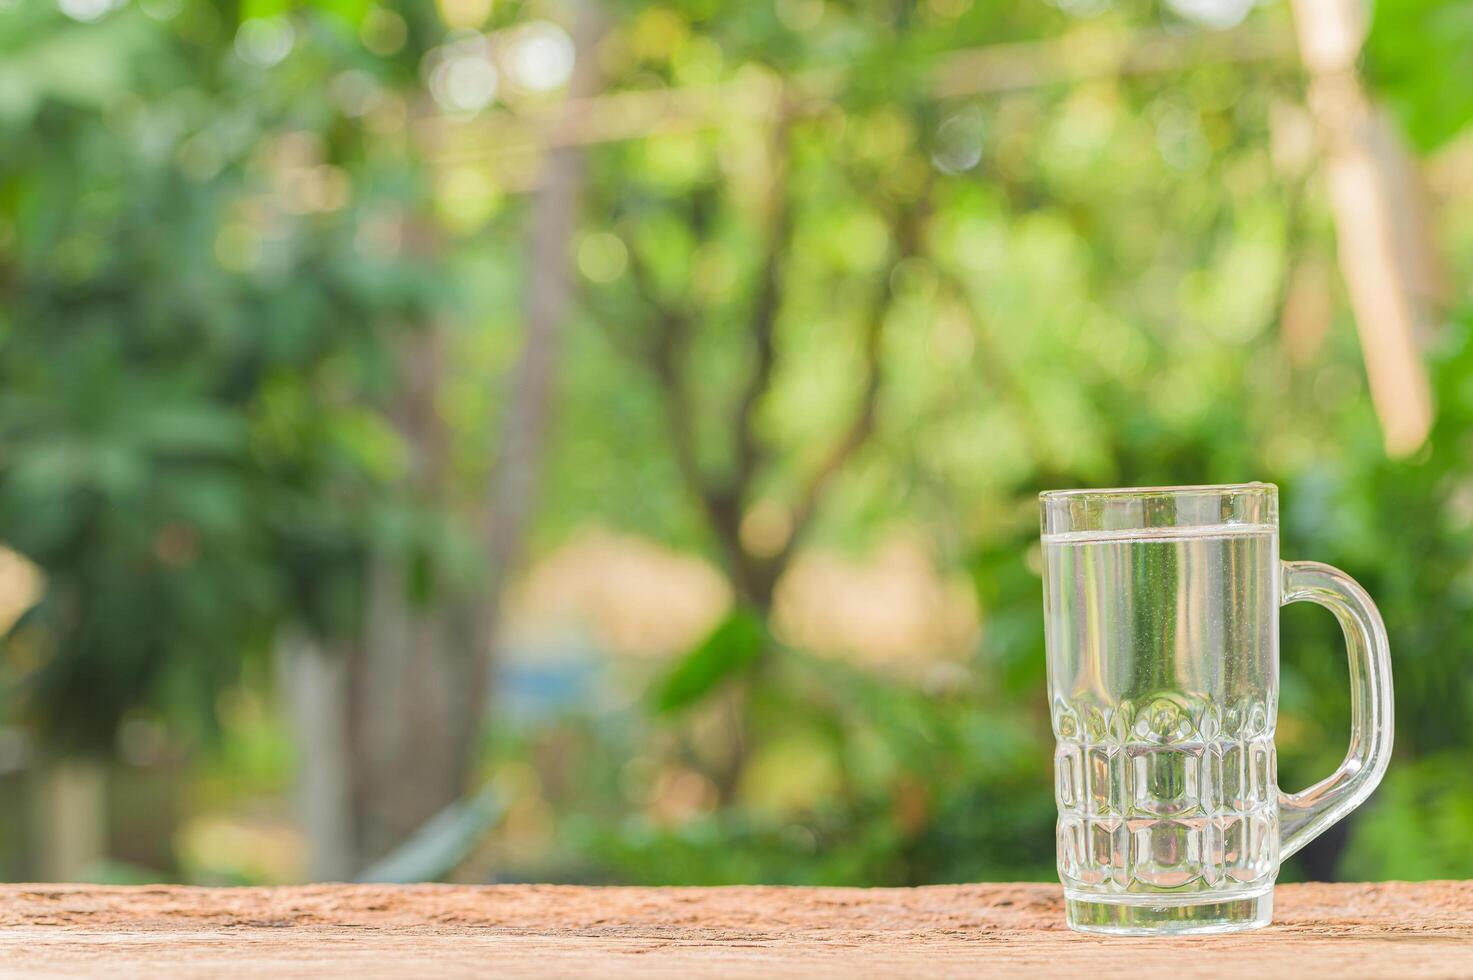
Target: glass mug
[1161, 611]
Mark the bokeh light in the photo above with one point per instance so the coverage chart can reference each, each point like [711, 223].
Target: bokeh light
[1216, 14]
[383, 32]
[462, 77]
[265, 41]
[87, 10]
[602, 256]
[353, 92]
[540, 56]
[959, 141]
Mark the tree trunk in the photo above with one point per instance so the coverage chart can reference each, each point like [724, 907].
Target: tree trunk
[386, 728]
[387, 721]
[513, 490]
[411, 699]
[417, 698]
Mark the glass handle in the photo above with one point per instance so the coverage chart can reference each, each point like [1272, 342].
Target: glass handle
[1304, 816]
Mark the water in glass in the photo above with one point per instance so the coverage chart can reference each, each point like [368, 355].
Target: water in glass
[1163, 664]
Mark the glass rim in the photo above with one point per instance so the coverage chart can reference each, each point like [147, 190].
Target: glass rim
[1204, 489]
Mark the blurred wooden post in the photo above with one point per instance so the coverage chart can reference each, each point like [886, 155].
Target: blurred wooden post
[70, 816]
[1384, 248]
[315, 686]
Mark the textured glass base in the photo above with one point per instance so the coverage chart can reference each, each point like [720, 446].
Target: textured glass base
[1153, 915]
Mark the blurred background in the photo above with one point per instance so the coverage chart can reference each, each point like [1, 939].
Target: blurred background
[597, 440]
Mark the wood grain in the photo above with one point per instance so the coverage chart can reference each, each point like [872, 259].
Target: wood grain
[1349, 930]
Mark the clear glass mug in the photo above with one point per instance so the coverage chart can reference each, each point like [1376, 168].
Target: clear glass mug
[1161, 611]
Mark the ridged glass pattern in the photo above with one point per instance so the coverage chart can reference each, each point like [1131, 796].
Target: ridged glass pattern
[1164, 798]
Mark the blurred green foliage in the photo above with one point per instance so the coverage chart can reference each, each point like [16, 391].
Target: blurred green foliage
[857, 779]
[191, 358]
[209, 266]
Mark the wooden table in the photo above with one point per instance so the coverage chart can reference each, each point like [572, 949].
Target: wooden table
[1329, 931]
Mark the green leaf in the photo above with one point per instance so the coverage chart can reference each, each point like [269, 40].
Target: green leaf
[1419, 56]
[735, 644]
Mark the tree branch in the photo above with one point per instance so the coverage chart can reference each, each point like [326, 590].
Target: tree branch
[862, 426]
[1074, 57]
[994, 365]
[749, 454]
[663, 356]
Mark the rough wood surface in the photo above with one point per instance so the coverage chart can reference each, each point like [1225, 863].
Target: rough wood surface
[1381, 930]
